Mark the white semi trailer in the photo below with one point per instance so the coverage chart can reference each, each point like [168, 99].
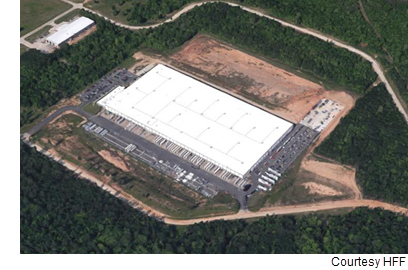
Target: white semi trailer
[264, 182]
[274, 172]
[263, 188]
[274, 177]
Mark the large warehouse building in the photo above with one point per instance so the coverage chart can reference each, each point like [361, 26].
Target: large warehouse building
[209, 123]
[70, 30]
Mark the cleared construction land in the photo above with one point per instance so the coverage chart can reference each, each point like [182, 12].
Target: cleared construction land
[283, 93]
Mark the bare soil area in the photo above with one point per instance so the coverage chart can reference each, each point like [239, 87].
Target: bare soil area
[116, 161]
[341, 174]
[82, 35]
[74, 101]
[290, 95]
[315, 188]
[295, 209]
[65, 113]
[142, 60]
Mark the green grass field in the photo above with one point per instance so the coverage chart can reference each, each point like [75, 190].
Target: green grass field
[92, 108]
[42, 32]
[34, 13]
[68, 16]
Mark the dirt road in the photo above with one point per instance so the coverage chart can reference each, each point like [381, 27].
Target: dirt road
[294, 209]
[115, 191]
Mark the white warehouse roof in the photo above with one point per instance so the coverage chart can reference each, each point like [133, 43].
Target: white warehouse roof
[210, 123]
[68, 30]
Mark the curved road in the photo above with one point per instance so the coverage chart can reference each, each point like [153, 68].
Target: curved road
[294, 209]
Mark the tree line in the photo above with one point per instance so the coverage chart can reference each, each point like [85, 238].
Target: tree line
[267, 38]
[373, 137]
[60, 213]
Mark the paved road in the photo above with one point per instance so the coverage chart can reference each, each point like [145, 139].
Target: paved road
[163, 154]
[54, 115]
[141, 142]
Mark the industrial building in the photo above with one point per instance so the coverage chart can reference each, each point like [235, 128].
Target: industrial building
[212, 124]
[70, 31]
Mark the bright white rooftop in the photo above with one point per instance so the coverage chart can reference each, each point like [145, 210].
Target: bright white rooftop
[68, 30]
[214, 125]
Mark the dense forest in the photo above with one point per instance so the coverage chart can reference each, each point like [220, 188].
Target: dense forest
[45, 79]
[374, 138]
[60, 213]
[390, 19]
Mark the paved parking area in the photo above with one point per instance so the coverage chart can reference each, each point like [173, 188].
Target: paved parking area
[321, 114]
[119, 77]
[273, 166]
[184, 175]
[195, 160]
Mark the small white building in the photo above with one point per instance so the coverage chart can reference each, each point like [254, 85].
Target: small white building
[70, 30]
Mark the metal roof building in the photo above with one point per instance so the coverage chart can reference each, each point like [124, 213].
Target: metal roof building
[69, 30]
[208, 122]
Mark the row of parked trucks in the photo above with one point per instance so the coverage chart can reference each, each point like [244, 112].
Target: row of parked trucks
[268, 179]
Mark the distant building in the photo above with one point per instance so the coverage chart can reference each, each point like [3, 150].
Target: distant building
[70, 31]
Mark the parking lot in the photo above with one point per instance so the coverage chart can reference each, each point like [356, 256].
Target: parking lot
[274, 165]
[184, 176]
[321, 114]
[195, 160]
[120, 77]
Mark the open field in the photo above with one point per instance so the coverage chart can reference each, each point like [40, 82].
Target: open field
[92, 108]
[65, 138]
[40, 33]
[104, 7]
[33, 13]
[68, 16]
